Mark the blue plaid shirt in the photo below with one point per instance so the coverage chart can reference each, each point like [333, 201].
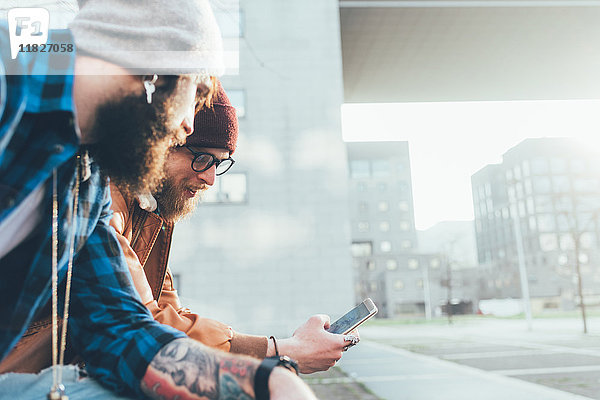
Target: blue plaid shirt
[108, 325]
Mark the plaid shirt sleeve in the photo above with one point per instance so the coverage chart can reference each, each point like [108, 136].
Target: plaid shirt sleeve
[109, 325]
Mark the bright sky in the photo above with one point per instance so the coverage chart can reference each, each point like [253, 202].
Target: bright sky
[449, 142]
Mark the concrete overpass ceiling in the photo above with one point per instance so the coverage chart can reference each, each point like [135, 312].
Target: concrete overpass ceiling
[413, 51]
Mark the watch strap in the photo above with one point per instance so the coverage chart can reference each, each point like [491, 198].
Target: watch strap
[261, 378]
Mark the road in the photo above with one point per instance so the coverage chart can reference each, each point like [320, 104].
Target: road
[479, 359]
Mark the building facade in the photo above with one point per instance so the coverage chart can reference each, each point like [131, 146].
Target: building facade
[546, 192]
[270, 245]
[388, 264]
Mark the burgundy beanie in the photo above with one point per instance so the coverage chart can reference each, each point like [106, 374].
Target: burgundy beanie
[216, 126]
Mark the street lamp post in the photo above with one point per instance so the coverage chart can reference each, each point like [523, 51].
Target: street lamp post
[426, 293]
[521, 260]
[577, 237]
[449, 281]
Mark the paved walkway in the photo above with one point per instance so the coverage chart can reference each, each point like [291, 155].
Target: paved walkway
[396, 374]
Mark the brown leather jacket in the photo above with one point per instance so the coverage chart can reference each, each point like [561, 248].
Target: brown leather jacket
[146, 241]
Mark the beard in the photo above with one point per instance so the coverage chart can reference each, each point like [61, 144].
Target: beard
[173, 202]
[132, 142]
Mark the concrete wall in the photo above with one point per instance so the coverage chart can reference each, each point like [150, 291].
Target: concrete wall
[266, 264]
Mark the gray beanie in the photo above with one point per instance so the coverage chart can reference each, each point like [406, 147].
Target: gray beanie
[151, 36]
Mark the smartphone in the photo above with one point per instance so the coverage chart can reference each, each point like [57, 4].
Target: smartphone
[354, 317]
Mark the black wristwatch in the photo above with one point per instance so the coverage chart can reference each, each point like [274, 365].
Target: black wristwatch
[261, 378]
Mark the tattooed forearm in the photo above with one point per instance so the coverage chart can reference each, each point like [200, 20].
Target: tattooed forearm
[186, 369]
[230, 389]
[189, 366]
[235, 367]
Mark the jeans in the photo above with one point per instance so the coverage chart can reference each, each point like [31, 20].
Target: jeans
[14, 386]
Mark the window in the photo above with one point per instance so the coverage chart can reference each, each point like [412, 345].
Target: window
[528, 187]
[488, 256]
[541, 184]
[546, 223]
[382, 187]
[434, 263]
[561, 184]
[586, 185]
[478, 227]
[229, 19]
[391, 264]
[403, 188]
[373, 286]
[362, 187]
[383, 206]
[577, 166]
[228, 188]
[481, 191]
[517, 172]
[385, 246]
[384, 226]
[563, 260]
[526, 169]
[543, 204]
[363, 207]
[539, 166]
[558, 165]
[362, 249]
[567, 242]
[398, 284]
[359, 169]
[522, 210]
[530, 205]
[406, 244]
[563, 203]
[381, 168]
[403, 206]
[548, 242]
[413, 263]
[532, 224]
[511, 193]
[519, 187]
[565, 221]
[404, 225]
[363, 226]
[585, 221]
[371, 265]
[238, 100]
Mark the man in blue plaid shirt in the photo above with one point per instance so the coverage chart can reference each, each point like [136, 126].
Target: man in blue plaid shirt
[78, 118]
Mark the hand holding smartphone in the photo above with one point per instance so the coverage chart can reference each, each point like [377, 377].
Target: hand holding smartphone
[354, 317]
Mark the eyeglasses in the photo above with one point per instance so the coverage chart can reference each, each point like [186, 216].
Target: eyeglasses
[204, 161]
